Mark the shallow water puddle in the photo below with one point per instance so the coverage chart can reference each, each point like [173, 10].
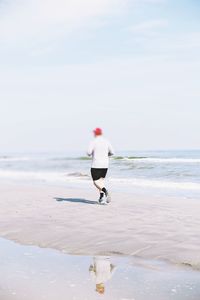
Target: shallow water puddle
[33, 273]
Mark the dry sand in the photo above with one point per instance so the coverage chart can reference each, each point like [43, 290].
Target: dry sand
[71, 220]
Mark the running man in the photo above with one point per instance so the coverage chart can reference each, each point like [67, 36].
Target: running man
[100, 149]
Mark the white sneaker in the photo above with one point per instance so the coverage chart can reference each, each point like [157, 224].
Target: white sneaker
[103, 200]
[108, 198]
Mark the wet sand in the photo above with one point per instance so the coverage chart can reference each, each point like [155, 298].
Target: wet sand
[32, 273]
[70, 220]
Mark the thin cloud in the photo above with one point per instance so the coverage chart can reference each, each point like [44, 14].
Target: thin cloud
[155, 1]
[149, 27]
[26, 22]
[47, 18]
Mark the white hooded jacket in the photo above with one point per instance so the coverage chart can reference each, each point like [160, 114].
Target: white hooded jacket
[100, 149]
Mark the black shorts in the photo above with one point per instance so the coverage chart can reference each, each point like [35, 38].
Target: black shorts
[98, 173]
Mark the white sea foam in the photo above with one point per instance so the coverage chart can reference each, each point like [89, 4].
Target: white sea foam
[43, 176]
[157, 183]
[13, 159]
[27, 175]
[78, 174]
[34, 176]
[79, 177]
[163, 160]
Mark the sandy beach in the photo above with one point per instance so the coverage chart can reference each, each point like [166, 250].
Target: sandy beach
[70, 220]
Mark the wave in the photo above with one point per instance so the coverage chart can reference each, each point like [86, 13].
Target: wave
[173, 160]
[128, 157]
[44, 176]
[78, 174]
[81, 177]
[136, 159]
[157, 159]
[70, 158]
[30, 175]
[84, 158]
[12, 158]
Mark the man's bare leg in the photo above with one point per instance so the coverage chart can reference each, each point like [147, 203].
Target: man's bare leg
[99, 184]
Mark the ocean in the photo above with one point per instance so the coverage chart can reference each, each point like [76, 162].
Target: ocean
[174, 173]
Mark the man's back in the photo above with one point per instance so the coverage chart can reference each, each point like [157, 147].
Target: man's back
[100, 149]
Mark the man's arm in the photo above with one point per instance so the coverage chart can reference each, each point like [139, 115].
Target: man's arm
[90, 149]
[110, 150]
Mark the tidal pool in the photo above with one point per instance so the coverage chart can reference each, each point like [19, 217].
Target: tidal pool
[33, 273]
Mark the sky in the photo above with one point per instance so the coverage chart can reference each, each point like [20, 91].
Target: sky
[131, 67]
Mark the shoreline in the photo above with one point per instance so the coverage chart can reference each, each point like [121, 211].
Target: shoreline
[69, 220]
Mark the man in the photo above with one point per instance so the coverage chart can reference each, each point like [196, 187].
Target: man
[100, 150]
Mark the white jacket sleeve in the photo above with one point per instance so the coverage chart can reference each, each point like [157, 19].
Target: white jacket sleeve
[90, 149]
[110, 150]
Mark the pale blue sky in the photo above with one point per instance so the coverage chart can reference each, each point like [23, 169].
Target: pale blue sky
[129, 66]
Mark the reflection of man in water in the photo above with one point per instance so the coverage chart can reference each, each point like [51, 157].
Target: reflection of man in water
[101, 271]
